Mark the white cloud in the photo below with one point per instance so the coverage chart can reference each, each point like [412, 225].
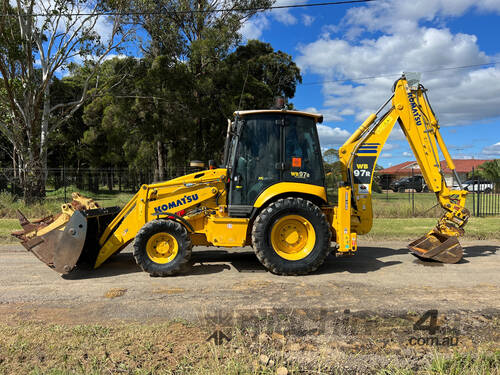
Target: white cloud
[329, 115]
[331, 137]
[460, 96]
[307, 19]
[395, 16]
[255, 26]
[406, 154]
[493, 150]
[390, 146]
[397, 134]
[283, 15]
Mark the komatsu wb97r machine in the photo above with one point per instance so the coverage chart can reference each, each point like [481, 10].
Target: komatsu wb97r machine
[270, 194]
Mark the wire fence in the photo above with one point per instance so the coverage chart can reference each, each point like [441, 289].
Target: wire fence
[112, 180]
[483, 198]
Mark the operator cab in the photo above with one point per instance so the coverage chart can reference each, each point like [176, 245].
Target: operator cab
[266, 147]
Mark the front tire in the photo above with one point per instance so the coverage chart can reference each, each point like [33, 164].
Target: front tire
[162, 247]
[291, 237]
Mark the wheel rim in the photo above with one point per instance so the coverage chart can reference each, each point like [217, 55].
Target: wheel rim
[162, 248]
[293, 237]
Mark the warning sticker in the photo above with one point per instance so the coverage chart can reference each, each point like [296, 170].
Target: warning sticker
[297, 162]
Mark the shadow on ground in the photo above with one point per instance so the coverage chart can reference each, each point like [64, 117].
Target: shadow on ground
[119, 264]
[204, 262]
[480, 251]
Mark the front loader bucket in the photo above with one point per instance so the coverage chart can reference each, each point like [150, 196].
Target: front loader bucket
[63, 242]
[437, 246]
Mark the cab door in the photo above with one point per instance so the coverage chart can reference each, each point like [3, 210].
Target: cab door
[302, 153]
[257, 161]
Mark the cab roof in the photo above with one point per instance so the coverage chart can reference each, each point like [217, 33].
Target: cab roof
[318, 117]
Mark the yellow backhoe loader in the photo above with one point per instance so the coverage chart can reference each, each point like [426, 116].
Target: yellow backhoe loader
[270, 194]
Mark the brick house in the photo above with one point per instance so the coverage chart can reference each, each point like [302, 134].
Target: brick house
[463, 168]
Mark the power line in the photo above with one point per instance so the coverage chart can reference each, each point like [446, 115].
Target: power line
[143, 13]
[399, 73]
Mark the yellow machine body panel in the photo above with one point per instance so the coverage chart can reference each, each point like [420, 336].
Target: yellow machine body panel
[290, 188]
[226, 231]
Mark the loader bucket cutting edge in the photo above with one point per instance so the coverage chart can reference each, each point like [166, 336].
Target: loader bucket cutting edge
[63, 248]
[437, 246]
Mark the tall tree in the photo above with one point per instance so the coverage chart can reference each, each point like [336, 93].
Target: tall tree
[254, 74]
[192, 38]
[210, 30]
[39, 39]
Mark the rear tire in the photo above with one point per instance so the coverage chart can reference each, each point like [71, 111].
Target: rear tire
[162, 247]
[291, 237]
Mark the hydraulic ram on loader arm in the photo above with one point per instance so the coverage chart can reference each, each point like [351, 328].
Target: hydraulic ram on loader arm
[359, 154]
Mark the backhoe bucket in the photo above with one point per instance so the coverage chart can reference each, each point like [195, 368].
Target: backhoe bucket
[67, 240]
[437, 246]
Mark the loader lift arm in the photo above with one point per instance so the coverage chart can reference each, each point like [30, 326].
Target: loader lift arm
[359, 154]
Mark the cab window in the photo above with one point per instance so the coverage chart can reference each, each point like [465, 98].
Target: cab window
[302, 155]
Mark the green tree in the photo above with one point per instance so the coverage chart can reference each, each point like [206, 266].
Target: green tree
[254, 74]
[33, 49]
[209, 38]
[490, 171]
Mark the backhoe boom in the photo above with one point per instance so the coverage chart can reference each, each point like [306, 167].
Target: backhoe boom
[359, 154]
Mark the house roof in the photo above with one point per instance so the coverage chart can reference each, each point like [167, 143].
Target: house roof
[401, 168]
[461, 166]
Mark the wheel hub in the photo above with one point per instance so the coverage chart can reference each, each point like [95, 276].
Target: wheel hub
[293, 237]
[162, 248]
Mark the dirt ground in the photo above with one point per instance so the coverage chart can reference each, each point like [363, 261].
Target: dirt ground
[225, 287]
[383, 276]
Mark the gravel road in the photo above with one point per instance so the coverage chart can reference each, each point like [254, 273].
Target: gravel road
[383, 276]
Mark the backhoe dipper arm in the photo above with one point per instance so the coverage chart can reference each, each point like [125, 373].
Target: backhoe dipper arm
[359, 154]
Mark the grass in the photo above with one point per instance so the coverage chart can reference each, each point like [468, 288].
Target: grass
[156, 348]
[410, 228]
[179, 347]
[466, 363]
[9, 204]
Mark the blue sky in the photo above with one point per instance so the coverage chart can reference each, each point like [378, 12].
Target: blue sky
[334, 43]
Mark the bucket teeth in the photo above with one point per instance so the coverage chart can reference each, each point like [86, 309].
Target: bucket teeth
[30, 226]
[25, 223]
